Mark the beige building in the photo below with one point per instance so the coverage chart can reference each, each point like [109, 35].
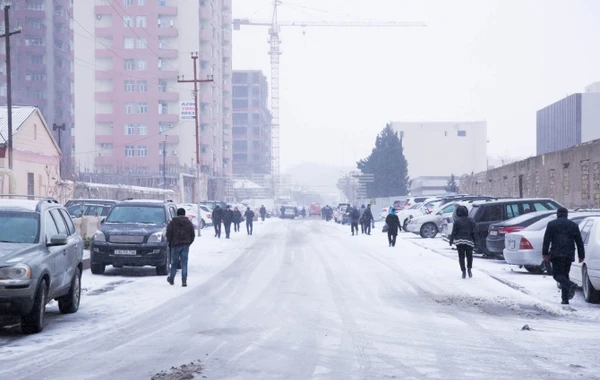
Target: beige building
[36, 155]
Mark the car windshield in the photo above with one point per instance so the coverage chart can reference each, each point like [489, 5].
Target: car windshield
[137, 214]
[19, 227]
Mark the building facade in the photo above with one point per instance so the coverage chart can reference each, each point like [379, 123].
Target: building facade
[251, 124]
[41, 63]
[569, 122]
[131, 118]
[427, 146]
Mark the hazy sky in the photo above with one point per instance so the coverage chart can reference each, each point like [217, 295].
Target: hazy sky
[494, 60]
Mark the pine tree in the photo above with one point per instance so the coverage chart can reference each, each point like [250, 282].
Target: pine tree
[388, 166]
[452, 186]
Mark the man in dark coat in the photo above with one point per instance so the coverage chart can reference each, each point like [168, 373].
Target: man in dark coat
[227, 220]
[561, 237]
[263, 212]
[217, 217]
[465, 235]
[237, 219]
[362, 223]
[368, 219]
[180, 235]
[354, 218]
[393, 224]
[249, 214]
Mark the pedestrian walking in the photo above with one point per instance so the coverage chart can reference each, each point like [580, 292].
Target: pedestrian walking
[354, 218]
[217, 217]
[393, 224]
[237, 219]
[227, 220]
[262, 212]
[361, 220]
[368, 219]
[465, 236]
[180, 235]
[249, 214]
[561, 237]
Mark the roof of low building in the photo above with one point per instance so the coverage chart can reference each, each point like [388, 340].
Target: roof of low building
[19, 115]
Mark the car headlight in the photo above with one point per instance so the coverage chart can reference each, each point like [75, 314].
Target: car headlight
[15, 272]
[99, 236]
[156, 237]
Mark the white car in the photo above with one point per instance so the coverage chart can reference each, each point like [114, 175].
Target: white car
[428, 225]
[448, 220]
[191, 209]
[587, 274]
[524, 248]
[417, 210]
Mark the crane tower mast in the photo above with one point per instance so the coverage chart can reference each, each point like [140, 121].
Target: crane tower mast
[275, 54]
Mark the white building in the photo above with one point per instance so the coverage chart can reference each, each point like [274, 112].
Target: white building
[435, 149]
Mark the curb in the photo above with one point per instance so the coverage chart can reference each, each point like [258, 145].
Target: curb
[86, 263]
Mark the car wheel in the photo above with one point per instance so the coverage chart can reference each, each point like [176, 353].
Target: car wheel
[405, 225]
[590, 294]
[69, 304]
[33, 322]
[97, 268]
[429, 231]
[163, 270]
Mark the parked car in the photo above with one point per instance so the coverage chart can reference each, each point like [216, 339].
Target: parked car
[428, 225]
[426, 207]
[134, 234]
[411, 202]
[289, 212]
[448, 220]
[41, 259]
[191, 210]
[524, 248]
[486, 213]
[587, 274]
[88, 209]
[384, 213]
[497, 231]
[315, 209]
[105, 202]
[341, 215]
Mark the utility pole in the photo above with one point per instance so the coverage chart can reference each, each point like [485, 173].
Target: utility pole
[164, 152]
[60, 128]
[7, 35]
[196, 81]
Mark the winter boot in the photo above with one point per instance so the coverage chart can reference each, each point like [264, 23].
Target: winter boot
[464, 274]
[572, 289]
[184, 282]
[470, 273]
[565, 302]
[170, 280]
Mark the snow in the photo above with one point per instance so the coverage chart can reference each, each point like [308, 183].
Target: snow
[303, 299]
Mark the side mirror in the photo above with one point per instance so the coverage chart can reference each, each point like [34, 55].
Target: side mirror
[102, 220]
[57, 240]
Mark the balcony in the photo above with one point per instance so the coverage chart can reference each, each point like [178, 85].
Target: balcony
[103, 9]
[105, 139]
[167, 8]
[168, 118]
[104, 53]
[169, 96]
[104, 74]
[168, 74]
[105, 31]
[104, 96]
[168, 32]
[168, 52]
[104, 117]
[172, 139]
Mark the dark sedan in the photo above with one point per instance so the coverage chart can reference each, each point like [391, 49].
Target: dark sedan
[497, 231]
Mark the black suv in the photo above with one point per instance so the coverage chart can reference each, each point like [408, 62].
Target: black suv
[41, 258]
[487, 213]
[134, 234]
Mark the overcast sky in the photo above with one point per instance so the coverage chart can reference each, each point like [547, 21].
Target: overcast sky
[494, 60]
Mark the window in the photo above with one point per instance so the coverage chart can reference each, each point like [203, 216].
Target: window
[129, 64]
[162, 85]
[141, 2]
[240, 146]
[142, 64]
[129, 108]
[240, 118]
[140, 21]
[30, 184]
[240, 103]
[255, 119]
[142, 108]
[512, 210]
[142, 129]
[163, 108]
[129, 151]
[50, 227]
[491, 213]
[585, 231]
[60, 222]
[239, 131]
[128, 43]
[129, 86]
[142, 85]
[127, 2]
[37, 59]
[69, 222]
[141, 43]
[539, 206]
[127, 22]
[240, 92]
[129, 129]
[143, 151]
[34, 41]
[461, 133]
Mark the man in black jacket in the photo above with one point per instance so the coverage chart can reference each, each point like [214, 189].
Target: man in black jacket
[354, 218]
[227, 220]
[560, 239]
[217, 217]
[249, 214]
[180, 235]
[263, 212]
[368, 219]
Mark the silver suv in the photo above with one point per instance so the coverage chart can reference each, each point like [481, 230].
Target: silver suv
[41, 259]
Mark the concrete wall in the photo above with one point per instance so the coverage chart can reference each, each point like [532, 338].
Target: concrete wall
[570, 176]
[590, 117]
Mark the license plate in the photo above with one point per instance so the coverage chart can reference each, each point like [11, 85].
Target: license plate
[511, 244]
[493, 233]
[125, 252]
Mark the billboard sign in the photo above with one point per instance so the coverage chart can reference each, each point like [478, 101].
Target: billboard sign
[186, 111]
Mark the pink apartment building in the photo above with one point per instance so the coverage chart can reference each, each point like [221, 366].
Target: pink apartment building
[128, 56]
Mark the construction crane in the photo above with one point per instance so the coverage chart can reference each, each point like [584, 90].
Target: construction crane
[275, 52]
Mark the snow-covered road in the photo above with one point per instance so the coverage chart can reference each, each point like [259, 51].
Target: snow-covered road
[305, 300]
